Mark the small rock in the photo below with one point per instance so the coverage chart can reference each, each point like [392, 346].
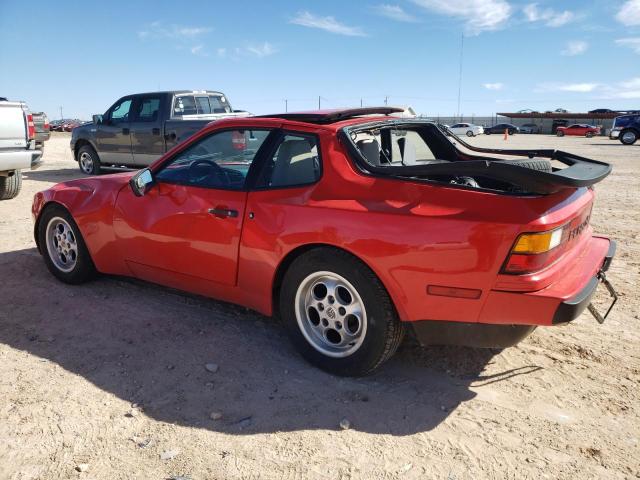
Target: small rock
[134, 412]
[82, 467]
[169, 454]
[345, 424]
[443, 408]
[179, 477]
[211, 367]
[215, 416]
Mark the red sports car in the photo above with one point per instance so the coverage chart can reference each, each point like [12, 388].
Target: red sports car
[581, 130]
[351, 225]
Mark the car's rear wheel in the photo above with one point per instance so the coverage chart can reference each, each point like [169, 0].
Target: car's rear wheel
[470, 133]
[338, 314]
[628, 137]
[88, 160]
[62, 246]
[10, 186]
[560, 133]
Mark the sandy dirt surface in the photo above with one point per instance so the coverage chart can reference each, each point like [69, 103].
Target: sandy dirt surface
[109, 378]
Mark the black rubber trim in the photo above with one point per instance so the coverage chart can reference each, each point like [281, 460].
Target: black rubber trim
[479, 335]
[609, 256]
[571, 309]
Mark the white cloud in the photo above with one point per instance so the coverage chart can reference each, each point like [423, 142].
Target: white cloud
[199, 50]
[633, 43]
[328, 24]
[263, 50]
[394, 12]
[575, 47]
[493, 86]
[221, 52]
[550, 17]
[568, 87]
[179, 32]
[629, 14]
[478, 15]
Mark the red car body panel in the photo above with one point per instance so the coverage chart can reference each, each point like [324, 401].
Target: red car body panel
[411, 234]
[579, 130]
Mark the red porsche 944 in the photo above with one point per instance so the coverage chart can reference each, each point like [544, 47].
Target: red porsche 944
[353, 226]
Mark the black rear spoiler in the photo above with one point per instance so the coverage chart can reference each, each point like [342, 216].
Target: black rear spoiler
[580, 171]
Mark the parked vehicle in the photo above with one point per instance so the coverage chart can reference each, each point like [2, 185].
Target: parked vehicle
[467, 129]
[601, 110]
[626, 128]
[557, 122]
[17, 147]
[138, 129]
[351, 227]
[43, 132]
[578, 129]
[501, 127]
[529, 128]
[560, 110]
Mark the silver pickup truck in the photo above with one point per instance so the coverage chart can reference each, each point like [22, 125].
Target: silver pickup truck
[17, 147]
[138, 129]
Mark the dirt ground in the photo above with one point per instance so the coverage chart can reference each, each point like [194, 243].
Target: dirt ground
[108, 380]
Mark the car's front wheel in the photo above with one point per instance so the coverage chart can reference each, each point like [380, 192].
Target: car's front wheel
[588, 134]
[62, 246]
[470, 133]
[628, 137]
[560, 133]
[338, 314]
[88, 160]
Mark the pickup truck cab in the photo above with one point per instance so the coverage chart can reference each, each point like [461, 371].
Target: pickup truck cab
[17, 147]
[626, 128]
[138, 129]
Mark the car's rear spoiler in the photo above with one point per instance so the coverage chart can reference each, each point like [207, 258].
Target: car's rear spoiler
[580, 171]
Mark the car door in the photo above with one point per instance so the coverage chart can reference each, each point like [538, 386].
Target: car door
[187, 227]
[147, 143]
[113, 136]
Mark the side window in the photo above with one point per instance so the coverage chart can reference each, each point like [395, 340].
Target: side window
[203, 104]
[221, 160]
[184, 105]
[408, 148]
[120, 113]
[147, 109]
[219, 104]
[295, 162]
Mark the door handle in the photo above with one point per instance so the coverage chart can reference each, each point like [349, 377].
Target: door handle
[155, 131]
[223, 212]
[125, 131]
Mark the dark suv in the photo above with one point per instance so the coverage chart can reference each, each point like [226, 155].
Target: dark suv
[626, 128]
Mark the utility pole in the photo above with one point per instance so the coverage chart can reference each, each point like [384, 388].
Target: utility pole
[319, 102]
[286, 105]
[61, 117]
[460, 73]
[360, 103]
[386, 100]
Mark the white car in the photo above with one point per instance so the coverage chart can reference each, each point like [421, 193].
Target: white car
[468, 129]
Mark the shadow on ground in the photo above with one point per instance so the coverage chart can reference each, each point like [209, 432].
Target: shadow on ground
[149, 345]
[56, 176]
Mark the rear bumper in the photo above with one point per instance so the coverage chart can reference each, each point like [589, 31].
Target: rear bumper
[20, 160]
[509, 317]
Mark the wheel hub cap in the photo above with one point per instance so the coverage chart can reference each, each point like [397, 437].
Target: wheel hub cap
[86, 162]
[331, 314]
[62, 245]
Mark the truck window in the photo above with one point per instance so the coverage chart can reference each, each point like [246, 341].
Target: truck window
[147, 109]
[203, 105]
[184, 105]
[120, 112]
[219, 104]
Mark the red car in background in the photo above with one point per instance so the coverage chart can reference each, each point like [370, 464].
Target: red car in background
[351, 225]
[580, 130]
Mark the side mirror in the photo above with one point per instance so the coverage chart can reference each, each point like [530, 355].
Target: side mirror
[97, 119]
[141, 182]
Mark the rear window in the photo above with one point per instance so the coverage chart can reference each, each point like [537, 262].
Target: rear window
[200, 105]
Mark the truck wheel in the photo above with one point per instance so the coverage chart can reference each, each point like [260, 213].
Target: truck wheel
[88, 160]
[63, 248]
[628, 137]
[10, 186]
[338, 314]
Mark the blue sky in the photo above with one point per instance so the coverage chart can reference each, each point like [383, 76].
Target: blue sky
[578, 55]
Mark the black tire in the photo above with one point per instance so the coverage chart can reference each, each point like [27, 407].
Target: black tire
[470, 133]
[512, 132]
[559, 133]
[10, 186]
[631, 137]
[384, 331]
[88, 160]
[540, 165]
[84, 269]
[588, 134]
